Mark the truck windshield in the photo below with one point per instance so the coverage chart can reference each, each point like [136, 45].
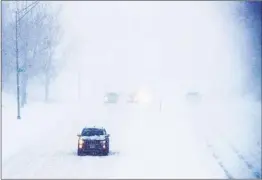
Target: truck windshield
[92, 132]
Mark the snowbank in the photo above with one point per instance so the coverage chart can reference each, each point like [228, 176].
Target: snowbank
[36, 121]
[233, 128]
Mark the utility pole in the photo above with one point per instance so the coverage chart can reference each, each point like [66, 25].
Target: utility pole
[160, 106]
[17, 67]
[18, 70]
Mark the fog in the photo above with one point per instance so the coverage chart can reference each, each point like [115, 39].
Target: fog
[168, 47]
[164, 51]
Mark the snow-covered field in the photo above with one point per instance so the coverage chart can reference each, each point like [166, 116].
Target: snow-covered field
[178, 142]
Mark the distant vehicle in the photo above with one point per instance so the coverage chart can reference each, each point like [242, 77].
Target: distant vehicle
[193, 96]
[93, 140]
[132, 98]
[111, 97]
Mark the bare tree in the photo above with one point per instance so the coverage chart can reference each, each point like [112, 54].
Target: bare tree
[8, 48]
[38, 37]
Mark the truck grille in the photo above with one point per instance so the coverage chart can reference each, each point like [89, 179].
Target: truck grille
[92, 144]
[95, 142]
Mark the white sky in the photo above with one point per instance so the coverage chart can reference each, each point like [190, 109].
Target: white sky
[164, 46]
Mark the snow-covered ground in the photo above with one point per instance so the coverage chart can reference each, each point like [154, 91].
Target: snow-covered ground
[178, 142]
[38, 120]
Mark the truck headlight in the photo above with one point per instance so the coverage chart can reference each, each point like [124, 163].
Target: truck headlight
[103, 142]
[81, 141]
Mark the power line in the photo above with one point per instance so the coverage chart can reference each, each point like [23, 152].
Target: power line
[28, 10]
[24, 9]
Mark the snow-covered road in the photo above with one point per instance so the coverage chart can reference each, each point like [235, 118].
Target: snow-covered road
[144, 144]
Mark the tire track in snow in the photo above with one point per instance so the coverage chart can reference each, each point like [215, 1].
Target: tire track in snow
[252, 168]
[219, 161]
[225, 166]
[208, 166]
[23, 158]
[220, 150]
[93, 166]
[27, 158]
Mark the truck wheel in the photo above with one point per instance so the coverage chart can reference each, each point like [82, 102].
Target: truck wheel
[106, 152]
[79, 152]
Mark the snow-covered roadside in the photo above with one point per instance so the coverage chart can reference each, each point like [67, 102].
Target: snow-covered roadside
[54, 153]
[37, 120]
[233, 132]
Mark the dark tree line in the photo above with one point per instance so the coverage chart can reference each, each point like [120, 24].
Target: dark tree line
[249, 14]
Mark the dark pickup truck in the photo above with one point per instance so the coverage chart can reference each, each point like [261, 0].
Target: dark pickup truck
[93, 140]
